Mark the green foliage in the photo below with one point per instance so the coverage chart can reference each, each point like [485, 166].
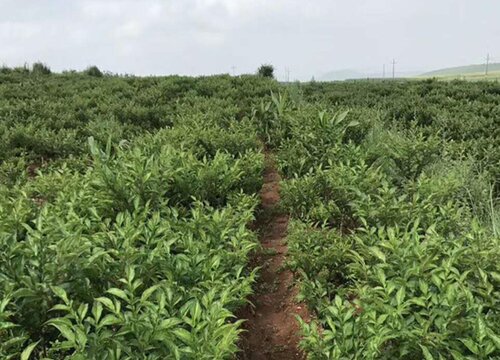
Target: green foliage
[93, 71]
[404, 295]
[266, 70]
[133, 243]
[39, 68]
[394, 234]
[130, 258]
[45, 119]
[125, 206]
[5, 69]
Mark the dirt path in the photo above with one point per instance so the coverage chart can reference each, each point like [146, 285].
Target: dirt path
[271, 326]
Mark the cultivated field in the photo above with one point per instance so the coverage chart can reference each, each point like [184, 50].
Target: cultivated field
[134, 223]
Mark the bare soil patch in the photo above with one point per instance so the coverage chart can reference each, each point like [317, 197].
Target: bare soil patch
[271, 328]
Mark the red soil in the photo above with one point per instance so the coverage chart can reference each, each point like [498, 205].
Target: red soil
[272, 331]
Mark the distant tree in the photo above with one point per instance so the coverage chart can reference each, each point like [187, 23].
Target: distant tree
[93, 71]
[40, 68]
[266, 70]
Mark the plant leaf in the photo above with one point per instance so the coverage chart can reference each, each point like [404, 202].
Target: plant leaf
[25, 355]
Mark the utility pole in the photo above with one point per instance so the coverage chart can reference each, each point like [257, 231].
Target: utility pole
[233, 68]
[287, 72]
[383, 72]
[487, 64]
[393, 69]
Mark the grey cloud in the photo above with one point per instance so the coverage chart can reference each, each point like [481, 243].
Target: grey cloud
[209, 36]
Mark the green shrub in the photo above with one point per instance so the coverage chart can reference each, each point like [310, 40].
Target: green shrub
[266, 70]
[4, 69]
[39, 68]
[408, 295]
[93, 71]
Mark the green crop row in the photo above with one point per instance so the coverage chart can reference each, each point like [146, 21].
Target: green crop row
[125, 204]
[49, 118]
[394, 237]
[133, 243]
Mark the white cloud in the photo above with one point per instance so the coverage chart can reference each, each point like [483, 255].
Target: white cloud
[130, 29]
[11, 31]
[111, 9]
[207, 36]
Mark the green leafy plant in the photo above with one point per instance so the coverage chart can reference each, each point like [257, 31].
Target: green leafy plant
[126, 204]
[39, 68]
[266, 70]
[93, 71]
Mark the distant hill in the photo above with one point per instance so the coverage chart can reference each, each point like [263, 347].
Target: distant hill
[341, 75]
[463, 70]
[472, 72]
[351, 74]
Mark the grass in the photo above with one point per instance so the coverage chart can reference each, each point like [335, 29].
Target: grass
[476, 76]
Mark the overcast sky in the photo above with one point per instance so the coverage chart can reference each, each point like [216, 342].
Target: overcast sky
[192, 37]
